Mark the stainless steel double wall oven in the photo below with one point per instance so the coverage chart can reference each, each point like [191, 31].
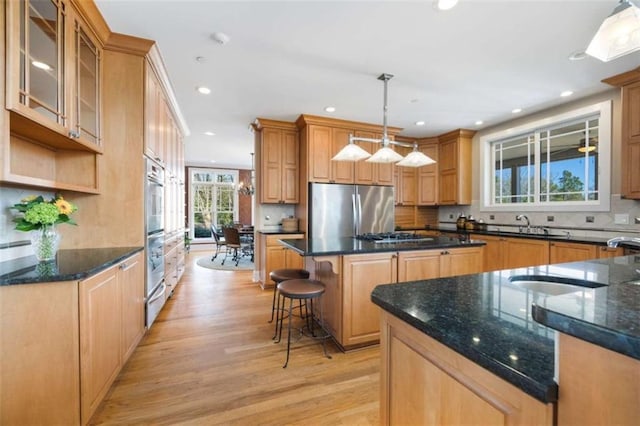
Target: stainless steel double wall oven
[154, 210]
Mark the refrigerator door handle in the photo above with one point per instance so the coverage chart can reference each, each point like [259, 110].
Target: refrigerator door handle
[359, 214]
[354, 210]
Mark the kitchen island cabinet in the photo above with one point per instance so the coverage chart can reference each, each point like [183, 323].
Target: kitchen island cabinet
[68, 327]
[350, 269]
[424, 382]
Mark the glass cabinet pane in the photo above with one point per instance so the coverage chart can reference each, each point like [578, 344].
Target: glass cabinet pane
[87, 89]
[41, 53]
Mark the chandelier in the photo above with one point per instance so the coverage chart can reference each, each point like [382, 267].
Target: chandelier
[352, 152]
[247, 189]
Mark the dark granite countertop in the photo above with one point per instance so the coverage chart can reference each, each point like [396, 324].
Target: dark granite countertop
[488, 318]
[554, 235]
[74, 264]
[275, 231]
[348, 245]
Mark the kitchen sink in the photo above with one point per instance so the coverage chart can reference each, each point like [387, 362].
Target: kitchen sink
[552, 286]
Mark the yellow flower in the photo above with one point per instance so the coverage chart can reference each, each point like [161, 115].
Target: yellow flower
[29, 198]
[64, 207]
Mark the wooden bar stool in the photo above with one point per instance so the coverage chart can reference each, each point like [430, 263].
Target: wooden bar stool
[279, 275]
[306, 291]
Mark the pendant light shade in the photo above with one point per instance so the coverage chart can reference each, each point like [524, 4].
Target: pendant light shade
[351, 152]
[416, 159]
[618, 35]
[385, 155]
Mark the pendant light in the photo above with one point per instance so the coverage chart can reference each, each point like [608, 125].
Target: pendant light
[352, 152]
[618, 35]
[248, 189]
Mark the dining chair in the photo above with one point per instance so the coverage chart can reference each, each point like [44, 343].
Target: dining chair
[232, 240]
[220, 242]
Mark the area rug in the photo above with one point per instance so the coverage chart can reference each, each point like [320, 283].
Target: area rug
[245, 263]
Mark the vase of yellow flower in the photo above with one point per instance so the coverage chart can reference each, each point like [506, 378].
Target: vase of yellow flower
[40, 217]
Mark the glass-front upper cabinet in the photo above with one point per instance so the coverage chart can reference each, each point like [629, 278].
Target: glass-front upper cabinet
[86, 98]
[53, 73]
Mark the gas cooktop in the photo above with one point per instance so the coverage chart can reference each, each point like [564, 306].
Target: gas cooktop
[392, 237]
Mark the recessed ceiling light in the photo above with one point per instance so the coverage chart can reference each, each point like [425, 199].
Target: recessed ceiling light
[212, 161]
[203, 90]
[444, 4]
[577, 56]
[220, 38]
[419, 123]
[201, 59]
[566, 93]
[209, 133]
[479, 123]
[330, 109]
[41, 65]
[517, 110]
[413, 101]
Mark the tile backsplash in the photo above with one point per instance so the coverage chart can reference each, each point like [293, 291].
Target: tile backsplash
[14, 244]
[583, 223]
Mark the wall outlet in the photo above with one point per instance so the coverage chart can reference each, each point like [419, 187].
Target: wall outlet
[590, 219]
[492, 217]
[551, 218]
[451, 216]
[621, 219]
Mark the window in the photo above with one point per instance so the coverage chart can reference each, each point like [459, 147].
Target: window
[213, 200]
[559, 163]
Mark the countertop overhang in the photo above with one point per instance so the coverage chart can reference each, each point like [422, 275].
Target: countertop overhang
[349, 245]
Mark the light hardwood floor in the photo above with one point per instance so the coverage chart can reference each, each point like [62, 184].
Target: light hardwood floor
[209, 359]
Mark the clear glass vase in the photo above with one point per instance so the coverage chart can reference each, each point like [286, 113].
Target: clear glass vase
[45, 242]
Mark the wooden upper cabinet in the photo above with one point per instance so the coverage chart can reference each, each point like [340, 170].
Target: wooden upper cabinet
[405, 181]
[322, 138]
[279, 166]
[372, 173]
[454, 156]
[153, 147]
[54, 64]
[428, 176]
[629, 82]
[341, 171]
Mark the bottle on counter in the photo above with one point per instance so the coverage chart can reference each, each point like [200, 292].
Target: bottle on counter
[470, 224]
[460, 223]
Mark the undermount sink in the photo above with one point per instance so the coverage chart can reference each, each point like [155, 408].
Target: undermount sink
[552, 286]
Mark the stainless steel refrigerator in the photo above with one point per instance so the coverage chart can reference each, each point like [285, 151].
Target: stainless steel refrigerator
[337, 210]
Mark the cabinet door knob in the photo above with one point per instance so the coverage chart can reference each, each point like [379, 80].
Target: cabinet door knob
[123, 266]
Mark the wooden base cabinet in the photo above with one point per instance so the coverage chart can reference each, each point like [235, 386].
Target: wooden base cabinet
[509, 253]
[425, 383]
[273, 255]
[428, 264]
[597, 386]
[361, 274]
[63, 343]
[111, 306]
[39, 354]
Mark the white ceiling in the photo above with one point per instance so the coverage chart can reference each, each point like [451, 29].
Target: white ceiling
[477, 61]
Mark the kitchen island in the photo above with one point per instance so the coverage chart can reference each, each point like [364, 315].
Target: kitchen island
[350, 269]
[481, 348]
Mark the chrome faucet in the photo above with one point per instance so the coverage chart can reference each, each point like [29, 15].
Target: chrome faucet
[522, 216]
[613, 242]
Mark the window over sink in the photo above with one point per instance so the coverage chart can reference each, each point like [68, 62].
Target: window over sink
[560, 163]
